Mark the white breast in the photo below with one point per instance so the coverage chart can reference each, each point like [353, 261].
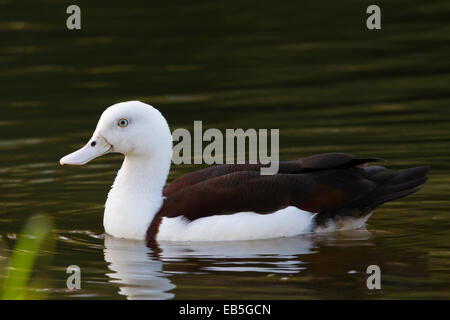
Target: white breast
[286, 222]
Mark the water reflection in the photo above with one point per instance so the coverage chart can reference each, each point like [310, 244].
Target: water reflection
[304, 264]
[141, 274]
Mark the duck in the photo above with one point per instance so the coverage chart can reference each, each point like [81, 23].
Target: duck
[231, 202]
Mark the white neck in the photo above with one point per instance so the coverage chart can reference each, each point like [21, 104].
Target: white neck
[136, 195]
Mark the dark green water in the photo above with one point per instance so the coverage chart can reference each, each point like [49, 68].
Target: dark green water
[309, 68]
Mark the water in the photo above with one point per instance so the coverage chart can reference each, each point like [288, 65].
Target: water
[310, 69]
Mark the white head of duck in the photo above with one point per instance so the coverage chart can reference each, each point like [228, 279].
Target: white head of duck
[142, 135]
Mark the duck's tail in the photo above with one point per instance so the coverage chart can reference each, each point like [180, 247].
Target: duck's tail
[390, 185]
[393, 185]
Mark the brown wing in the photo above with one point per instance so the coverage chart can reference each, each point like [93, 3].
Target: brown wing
[313, 163]
[250, 191]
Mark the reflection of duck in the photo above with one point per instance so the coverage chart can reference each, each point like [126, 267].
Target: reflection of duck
[139, 275]
[281, 247]
[318, 266]
[230, 202]
[138, 269]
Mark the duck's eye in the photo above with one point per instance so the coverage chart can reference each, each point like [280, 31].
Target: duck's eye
[122, 123]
